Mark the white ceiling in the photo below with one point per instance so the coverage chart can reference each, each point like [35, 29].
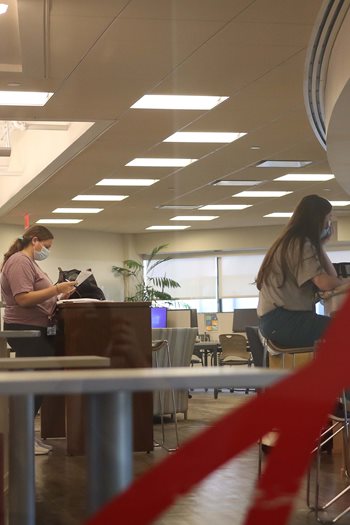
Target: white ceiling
[100, 56]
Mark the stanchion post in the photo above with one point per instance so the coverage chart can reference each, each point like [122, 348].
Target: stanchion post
[109, 446]
[21, 458]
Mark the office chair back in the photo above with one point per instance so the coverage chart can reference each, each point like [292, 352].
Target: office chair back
[234, 349]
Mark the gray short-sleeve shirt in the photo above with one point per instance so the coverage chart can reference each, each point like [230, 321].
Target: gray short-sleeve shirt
[298, 290]
[21, 274]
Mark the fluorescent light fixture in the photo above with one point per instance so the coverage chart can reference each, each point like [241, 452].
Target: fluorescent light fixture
[160, 162]
[204, 136]
[24, 98]
[225, 207]
[167, 227]
[262, 193]
[111, 198]
[283, 163]
[178, 102]
[306, 177]
[279, 214]
[237, 182]
[77, 210]
[194, 218]
[59, 221]
[3, 8]
[178, 207]
[127, 182]
[340, 203]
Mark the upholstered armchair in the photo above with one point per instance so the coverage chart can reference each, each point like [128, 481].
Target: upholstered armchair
[181, 342]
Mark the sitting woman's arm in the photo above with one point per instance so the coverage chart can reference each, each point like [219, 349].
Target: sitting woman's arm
[326, 282]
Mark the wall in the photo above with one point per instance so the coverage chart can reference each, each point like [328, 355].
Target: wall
[252, 238]
[225, 321]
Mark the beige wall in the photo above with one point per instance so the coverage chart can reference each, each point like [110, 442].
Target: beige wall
[254, 238]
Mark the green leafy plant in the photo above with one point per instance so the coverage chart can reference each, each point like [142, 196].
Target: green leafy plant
[147, 287]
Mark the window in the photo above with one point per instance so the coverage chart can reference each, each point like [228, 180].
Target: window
[196, 275]
[237, 274]
[229, 305]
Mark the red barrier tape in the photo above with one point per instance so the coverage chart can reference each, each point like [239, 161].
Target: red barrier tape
[301, 401]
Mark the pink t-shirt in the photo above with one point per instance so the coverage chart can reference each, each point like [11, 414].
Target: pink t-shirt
[21, 274]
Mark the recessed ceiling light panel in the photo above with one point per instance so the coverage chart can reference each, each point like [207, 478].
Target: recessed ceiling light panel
[59, 221]
[262, 193]
[167, 227]
[340, 203]
[194, 218]
[24, 98]
[127, 182]
[178, 102]
[160, 162]
[3, 8]
[77, 210]
[279, 214]
[283, 163]
[204, 137]
[102, 198]
[305, 177]
[225, 207]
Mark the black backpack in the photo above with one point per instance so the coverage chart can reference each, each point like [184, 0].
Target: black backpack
[87, 289]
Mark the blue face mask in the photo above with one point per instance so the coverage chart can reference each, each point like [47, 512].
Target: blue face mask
[326, 232]
[43, 254]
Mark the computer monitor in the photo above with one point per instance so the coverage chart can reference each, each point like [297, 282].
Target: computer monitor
[243, 317]
[158, 317]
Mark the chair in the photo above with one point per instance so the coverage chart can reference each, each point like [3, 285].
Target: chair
[288, 357]
[181, 343]
[157, 347]
[339, 425]
[233, 352]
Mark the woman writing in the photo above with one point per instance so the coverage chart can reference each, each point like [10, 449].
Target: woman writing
[294, 269]
[29, 295]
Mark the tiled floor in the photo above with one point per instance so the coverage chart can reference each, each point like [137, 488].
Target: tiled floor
[223, 496]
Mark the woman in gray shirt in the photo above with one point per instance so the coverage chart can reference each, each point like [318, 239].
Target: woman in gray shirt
[293, 270]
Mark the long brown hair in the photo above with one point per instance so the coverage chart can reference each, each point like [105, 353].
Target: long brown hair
[42, 233]
[306, 223]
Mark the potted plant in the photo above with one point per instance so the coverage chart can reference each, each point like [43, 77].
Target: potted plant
[146, 286]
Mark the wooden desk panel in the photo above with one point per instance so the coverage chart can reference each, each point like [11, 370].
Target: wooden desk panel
[121, 331]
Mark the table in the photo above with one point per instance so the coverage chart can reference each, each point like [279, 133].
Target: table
[334, 299]
[209, 347]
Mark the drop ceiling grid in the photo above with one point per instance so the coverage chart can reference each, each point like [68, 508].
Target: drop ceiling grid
[184, 10]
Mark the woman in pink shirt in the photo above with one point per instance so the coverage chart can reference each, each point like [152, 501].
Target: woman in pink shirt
[29, 295]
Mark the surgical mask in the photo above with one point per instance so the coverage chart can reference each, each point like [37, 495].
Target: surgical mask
[326, 232]
[43, 254]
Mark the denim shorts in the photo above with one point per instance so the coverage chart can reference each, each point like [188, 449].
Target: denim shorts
[293, 328]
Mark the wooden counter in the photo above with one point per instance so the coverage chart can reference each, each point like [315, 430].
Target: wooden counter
[120, 331]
